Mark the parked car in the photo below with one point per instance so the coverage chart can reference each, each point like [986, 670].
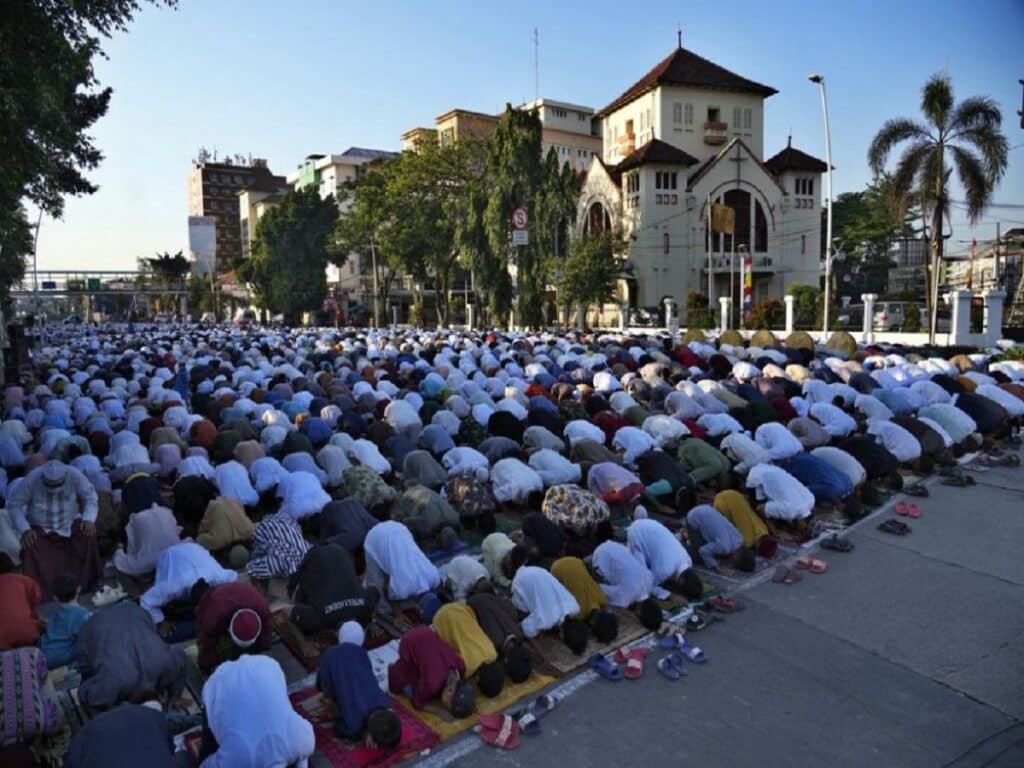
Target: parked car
[889, 316]
[645, 316]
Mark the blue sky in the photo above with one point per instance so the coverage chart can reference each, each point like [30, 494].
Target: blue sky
[283, 80]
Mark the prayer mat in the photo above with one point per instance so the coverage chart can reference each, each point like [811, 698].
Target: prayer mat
[48, 751]
[439, 556]
[509, 696]
[416, 736]
[185, 703]
[66, 676]
[307, 649]
[504, 523]
[555, 654]
[192, 741]
[732, 577]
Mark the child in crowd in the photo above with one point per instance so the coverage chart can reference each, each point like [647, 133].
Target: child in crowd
[62, 628]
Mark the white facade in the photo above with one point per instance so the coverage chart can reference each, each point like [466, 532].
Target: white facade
[570, 128]
[202, 243]
[665, 157]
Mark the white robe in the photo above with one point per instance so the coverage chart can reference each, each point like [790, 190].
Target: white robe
[302, 495]
[392, 556]
[232, 480]
[252, 719]
[178, 568]
[624, 577]
[543, 598]
[511, 480]
[662, 553]
[462, 574]
[898, 441]
[777, 441]
[785, 497]
[555, 469]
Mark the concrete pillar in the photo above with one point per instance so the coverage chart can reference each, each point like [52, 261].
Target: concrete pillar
[868, 336]
[623, 316]
[184, 305]
[790, 300]
[671, 318]
[960, 324]
[993, 318]
[469, 316]
[725, 312]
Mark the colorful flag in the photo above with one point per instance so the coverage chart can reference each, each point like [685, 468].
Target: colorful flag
[748, 286]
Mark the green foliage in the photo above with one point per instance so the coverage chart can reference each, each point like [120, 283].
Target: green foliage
[911, 319]
[168, 268]
[50, 97]
[587, 275]
[767, 314]
[966, 138]
[1014, 353]
[698, 313]
[200, 295]
[290, 254]
[806, 307]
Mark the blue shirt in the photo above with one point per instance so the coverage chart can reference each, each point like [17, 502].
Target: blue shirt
[347, 677]
[720, 536]
[825, 482]
[58, 641]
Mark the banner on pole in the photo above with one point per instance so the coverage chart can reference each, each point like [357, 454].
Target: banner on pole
[723, 219]
[748, 287]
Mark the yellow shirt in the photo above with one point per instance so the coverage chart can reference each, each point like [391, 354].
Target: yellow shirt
[574, 576]
[734, 507]
[456, 624]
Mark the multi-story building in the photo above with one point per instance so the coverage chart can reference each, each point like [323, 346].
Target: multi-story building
[569, 128]
[252, 204]
[687, 135]
[213, 191]
[996, 265]
[906, 275]
[328, 173]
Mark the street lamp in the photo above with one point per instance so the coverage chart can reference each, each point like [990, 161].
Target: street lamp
[828, 221]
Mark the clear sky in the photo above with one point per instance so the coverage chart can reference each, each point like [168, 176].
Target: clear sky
[282, 80]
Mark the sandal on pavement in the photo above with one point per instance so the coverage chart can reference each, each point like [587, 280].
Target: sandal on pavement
[837, 544]
[894, 527]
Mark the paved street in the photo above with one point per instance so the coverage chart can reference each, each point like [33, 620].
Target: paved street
[907, 652]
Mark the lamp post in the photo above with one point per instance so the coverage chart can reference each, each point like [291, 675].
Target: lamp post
[828, 221]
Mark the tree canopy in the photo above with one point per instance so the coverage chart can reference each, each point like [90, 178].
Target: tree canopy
[290, 253]
[50, 97]
[966, 138]
[588, 274]
[169, 268]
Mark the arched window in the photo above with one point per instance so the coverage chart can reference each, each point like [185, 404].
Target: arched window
[597, 220]
[760, 228]
[739, 201]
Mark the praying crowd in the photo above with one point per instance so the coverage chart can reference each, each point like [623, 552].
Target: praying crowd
[178, 499]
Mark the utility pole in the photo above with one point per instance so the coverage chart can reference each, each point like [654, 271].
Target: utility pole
[820, 81]
[995, 259]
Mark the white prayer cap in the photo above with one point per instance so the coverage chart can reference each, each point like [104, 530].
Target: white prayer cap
[351, 632]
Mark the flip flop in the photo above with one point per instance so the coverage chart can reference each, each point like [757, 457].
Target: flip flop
[901, 508]
[913, 511]
[668, 669]
[670, 642]
[633, 658]
[501, 731]
[817, 565]
[529, 720]
[726, 604]
[957, 481]
[803, 563]
[837, 544]
[604, 667]
[894, 527]
[693, 653]
[917, 489]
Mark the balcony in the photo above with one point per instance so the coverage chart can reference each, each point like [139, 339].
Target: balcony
[720, 263]
[627, 144]
[716, 133]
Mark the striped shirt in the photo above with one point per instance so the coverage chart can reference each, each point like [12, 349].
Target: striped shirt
[277, 547]
[53, 509]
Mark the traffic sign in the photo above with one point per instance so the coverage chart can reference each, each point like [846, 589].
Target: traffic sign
[520, 237]
[519, 218]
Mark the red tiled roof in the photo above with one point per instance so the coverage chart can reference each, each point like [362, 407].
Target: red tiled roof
[655, 151]
[682, 67]
[792, 159]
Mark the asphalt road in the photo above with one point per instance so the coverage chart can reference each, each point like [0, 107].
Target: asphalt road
[907, 652]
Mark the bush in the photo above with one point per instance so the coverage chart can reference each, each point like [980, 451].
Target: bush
[806, 309]
[698, 313]
[911, 319]
[768, 314]
[1014, 353]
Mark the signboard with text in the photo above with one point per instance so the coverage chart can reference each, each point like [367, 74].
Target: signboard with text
[520, 237]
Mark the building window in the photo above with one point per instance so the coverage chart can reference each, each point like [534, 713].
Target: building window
[803, 244]
[737, 119]
[447, 137]
[810, 186]
[582, 116]
[559, 112]
[688, 114]
[629, 127]
[748, 116]
[714, 115]
[665, 243]
[677, 113]
[666, 180]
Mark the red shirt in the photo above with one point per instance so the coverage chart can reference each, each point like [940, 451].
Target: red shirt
[213, 617]
[424, 661]
[19, 599]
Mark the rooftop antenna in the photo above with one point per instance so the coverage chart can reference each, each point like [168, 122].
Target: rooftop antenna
[679, 35]
[536, 64]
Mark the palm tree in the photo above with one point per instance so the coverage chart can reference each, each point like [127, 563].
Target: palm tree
[969, 134]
